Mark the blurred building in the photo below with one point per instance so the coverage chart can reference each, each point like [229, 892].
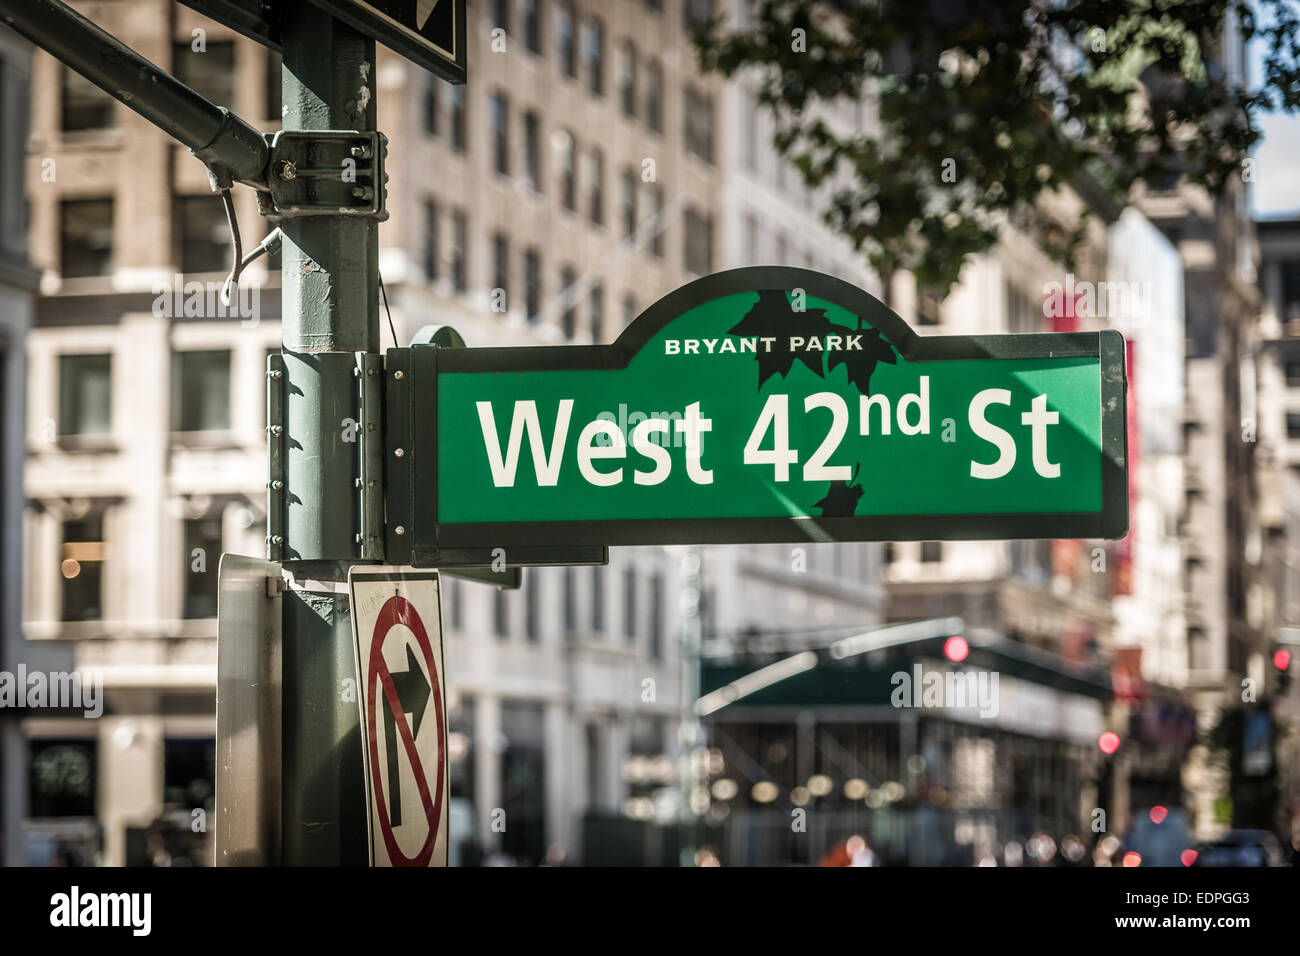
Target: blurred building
[145, 439]
[1227, 537]
[1144, 299]
[579, 177]
[17, 296]
[1279, 403]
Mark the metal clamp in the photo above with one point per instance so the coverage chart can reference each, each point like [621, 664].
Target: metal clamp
[325, 173]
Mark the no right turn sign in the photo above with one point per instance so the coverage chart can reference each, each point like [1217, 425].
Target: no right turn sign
[397, 628]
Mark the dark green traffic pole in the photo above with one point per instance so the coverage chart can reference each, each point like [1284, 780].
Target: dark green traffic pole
[330, 313]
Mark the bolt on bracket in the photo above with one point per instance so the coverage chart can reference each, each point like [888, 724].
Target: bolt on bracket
[325, 173]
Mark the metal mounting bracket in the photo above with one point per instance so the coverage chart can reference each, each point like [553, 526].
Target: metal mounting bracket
[325, 173]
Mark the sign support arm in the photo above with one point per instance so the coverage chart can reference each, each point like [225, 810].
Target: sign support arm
[231, 148]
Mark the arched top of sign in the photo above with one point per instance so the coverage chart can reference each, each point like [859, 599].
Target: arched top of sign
[783, 280]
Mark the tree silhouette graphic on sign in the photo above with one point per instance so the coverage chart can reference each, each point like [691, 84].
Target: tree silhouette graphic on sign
[773, 316]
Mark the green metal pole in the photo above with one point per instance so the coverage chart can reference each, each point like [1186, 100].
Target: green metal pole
[330, 309]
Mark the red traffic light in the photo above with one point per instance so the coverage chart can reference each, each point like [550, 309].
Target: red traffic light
[956, 649]
[1108, 742]
[1281, 658]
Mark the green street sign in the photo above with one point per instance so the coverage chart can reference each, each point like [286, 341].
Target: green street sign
[757, 405]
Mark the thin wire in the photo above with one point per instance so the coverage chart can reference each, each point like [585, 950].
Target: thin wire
[238, 266]
[383, 292]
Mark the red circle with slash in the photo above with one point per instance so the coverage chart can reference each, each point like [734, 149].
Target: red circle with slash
[398, 610]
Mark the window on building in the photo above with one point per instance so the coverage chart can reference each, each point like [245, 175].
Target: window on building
[531, 14]
[629, 602]
[654, 96]
[501, 15]
[532, 284]
[86, 237]
[629, 310]
[203, 548]
[63, 783]
[1293, 425]
[595, 764]
[85, 394]
[1293, 373]
[430, 240]
[596, 186]
[597, 599]
[570, 602]
[456, 599]
[429, 103]
[1290, 269]
[1023, 314]
[627, 78]
[751, 239]
[929, 304]
[501, 264]
[656, 628]
[695, 12]
[460, 250]
[654, 207]
[566, 49]
[698, 247]
[750, 122]
[523, 780]
[532, 617]
[499, 117]
[204, 234]
[593, 55]
[596, 319]
[533, 150]
[500, 620]
[189, 774]
[890, 553]
[201, 397]
[83, 105]
[82, 567]
[627, 201]
[273, 100]
[210, 72]
[566, 169]
[460, 752]
[458, 136]
[646, 741]
[931, 552]
[569, 320]
[698, 120]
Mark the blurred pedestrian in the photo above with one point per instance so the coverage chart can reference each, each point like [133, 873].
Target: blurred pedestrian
[860, 852]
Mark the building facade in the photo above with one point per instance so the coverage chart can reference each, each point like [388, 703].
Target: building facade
[17, 296]
[1279, 403]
